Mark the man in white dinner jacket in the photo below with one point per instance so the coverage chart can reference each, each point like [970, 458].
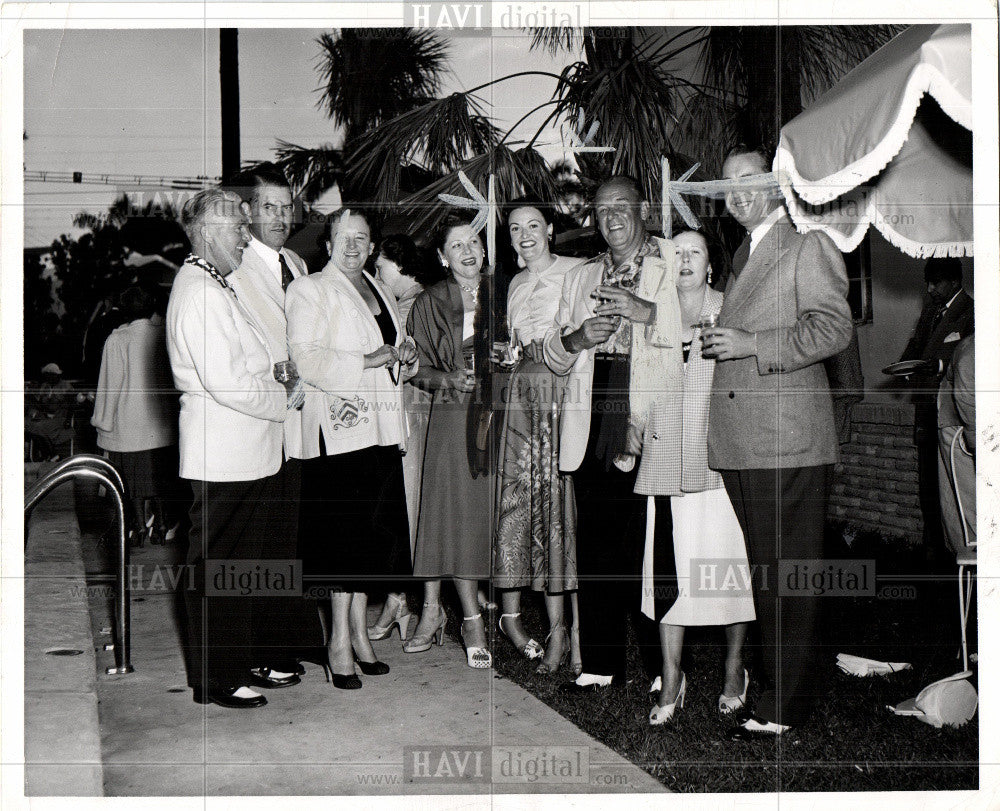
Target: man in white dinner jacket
[286, 627]
[232, 411]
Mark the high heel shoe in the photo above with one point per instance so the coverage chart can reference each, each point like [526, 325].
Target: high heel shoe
[478, 657]
[418, 644]
[531, 650]
[375, 668]
[576, 661]
[344, 681]
[347, 681]
[664, 714]
[318, 655]
[545, 668]
[400, 618]
[730, 704]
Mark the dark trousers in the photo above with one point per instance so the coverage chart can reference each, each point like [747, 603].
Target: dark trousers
[237, 527]
[925, 437]
[782, 513]
[284, 626]
[610, 528]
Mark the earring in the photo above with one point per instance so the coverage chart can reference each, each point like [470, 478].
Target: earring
[709, 280]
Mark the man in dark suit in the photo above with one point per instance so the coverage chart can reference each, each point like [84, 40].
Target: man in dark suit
[945, 320]
[771, 428]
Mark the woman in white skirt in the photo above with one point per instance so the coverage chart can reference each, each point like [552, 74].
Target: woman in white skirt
[705, 529]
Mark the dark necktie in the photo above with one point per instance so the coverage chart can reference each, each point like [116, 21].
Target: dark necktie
[286, 273]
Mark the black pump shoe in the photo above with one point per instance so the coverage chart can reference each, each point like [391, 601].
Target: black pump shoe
[223, 696]
[375, 668]
[346, 681]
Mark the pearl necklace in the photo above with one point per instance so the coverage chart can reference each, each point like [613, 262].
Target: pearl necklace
[471, 289]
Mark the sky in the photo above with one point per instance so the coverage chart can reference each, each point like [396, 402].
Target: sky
[146, 102]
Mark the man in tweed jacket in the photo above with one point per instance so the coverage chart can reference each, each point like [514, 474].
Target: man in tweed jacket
[771, 429]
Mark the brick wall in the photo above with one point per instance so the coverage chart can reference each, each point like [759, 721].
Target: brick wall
[875, 484]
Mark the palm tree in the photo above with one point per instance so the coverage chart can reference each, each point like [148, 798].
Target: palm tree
[366, 80]
[747, 81]
[370, 77]
[765, 75]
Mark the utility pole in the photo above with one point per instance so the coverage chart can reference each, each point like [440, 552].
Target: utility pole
[229, 86]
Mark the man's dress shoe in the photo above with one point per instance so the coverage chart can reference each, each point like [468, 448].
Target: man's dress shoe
[223, 696]
[261, 677]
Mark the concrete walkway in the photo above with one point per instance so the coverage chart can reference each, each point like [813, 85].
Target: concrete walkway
[431, 726]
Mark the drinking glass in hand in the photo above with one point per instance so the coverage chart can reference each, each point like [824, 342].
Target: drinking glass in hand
[709, 321]
[284, 371]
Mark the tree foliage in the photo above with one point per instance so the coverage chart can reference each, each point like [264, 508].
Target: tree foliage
[686, 94]
[89, 270]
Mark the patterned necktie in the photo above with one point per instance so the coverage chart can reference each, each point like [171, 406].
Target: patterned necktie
[286, 273]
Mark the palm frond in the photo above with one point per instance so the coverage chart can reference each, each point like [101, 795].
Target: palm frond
[369, 79]
[830, 52]
[708, 127]
[768, 73]
[310, 171]
[635, 102]
[557, 38]
[517, 173]
[439, 134]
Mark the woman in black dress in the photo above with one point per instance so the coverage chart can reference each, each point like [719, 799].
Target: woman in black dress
[349, 346]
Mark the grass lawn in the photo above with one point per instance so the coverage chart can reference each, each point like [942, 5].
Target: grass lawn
[852, 743]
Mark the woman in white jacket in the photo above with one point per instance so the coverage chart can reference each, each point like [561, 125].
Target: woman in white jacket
[348, 344]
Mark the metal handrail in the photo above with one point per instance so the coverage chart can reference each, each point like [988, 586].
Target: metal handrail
[90, 459]
[87, 469]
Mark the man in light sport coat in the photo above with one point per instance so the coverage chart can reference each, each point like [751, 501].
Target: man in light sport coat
[232, 410]
[771, 428]
[617, 340]
[288, 626]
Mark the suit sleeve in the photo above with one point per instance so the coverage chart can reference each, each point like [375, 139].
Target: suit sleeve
[207, 329]
[964, 370]
[310, 323]
[108, 395]
[556, 357]
[915, 346]
[823, 324]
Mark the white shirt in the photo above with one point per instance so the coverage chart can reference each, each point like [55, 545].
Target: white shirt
[468, 324]
[269, 257]
[533, 300]
[758, 233]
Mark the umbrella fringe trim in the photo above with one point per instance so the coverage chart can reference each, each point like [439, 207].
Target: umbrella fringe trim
[924, 79]
[846, 243]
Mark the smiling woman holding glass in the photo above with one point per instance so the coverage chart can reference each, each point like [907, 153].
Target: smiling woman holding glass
[448, 323]
[535, 541]
[347, 342]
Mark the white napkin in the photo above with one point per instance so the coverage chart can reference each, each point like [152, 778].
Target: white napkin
[859, 666]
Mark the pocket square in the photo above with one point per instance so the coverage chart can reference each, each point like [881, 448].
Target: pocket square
[952, 337]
